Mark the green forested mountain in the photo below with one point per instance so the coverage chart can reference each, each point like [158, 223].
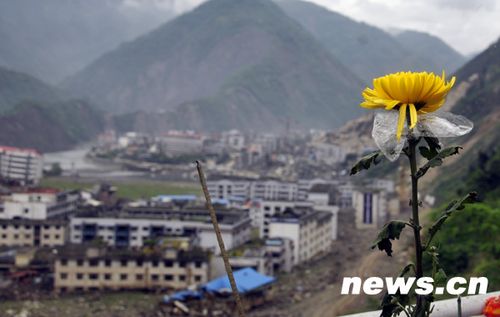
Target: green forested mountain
[16, 87]
[226, 64]
[369, 51]
[471, 238]
[34, 114]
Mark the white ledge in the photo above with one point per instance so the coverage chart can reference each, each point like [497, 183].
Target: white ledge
[471, 306]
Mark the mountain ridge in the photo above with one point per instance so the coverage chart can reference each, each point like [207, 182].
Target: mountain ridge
[233, 63]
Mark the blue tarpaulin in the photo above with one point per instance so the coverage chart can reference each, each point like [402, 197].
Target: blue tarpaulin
[247, 280]
[182, 296]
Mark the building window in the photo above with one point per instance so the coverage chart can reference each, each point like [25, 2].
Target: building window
[107, 276]
[123, 277]
[79, 276]
[46, 236]
[64, 262]
[79, 262]
[63, 276]
[139, 277]
[107, 263]
[93, 276]
[138, 263]
[57, 236]
[4, 236]
[154, 277]
[93, 262]
[26, 210]
[197, 278]
[27, 227]
[182, 277]
[16, 236]
[168, 277]
[198, 264]
[123, 263]
[154, 263]
[168, 263]
[27, 236]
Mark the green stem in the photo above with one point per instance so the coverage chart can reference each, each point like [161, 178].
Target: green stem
[412, 149]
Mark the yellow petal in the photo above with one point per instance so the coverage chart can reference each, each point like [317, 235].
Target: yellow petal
[413, 116]
[401, 121]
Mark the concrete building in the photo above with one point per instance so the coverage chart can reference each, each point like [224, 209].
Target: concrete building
[255, 258]
[310, 231]
[281, 253]
[25, 232]
[89, 269]
[133, 226]
[327, 152]
[233, 139]
[175, 143]
[261, 211]
[370, 207]
[39, 203]
[245, 188]
[21, 165]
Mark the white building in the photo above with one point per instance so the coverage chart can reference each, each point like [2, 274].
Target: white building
[174, 143]
[22, 165]
[134, 226]
[39, 204]
[261, 211]
[370, 208]
[246, 188]
[327, 152]
[233, 139]
[310, 231]
[281, 253]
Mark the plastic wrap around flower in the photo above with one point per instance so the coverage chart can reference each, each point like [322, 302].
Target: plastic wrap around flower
[419, 94]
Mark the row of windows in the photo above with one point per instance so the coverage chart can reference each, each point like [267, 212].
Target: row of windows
[132, 228]
[125, 263]
[47, 227]
[126, 277]
[29, 236]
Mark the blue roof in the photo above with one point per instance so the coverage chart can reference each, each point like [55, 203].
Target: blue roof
[247, 280]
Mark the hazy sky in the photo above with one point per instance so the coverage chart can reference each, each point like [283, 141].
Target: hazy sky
[469, 26]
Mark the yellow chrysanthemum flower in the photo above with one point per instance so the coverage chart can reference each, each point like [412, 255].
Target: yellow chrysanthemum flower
[418, 93]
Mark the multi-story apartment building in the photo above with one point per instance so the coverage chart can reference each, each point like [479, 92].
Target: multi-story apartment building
[244, 188]
[25, 232]
[310, 231]
[134, 226]
[280, 251]
[39, 203]
[370, 207]
[261, 211]
[90, 269]
[22, 165]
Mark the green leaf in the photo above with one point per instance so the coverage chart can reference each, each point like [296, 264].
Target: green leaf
[390, 231]
[438, 160]
[366, 162]
[434, 147]
[455, 205]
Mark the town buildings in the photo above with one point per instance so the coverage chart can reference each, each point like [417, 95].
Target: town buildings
[39, 203]
[91, 269]
[308, 229]
[20, 165]
[132, 227]
[35, 233]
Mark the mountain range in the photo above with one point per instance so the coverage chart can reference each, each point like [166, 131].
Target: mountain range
[226, 64]
[369, 51]
[52, 39]
[249, 64]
